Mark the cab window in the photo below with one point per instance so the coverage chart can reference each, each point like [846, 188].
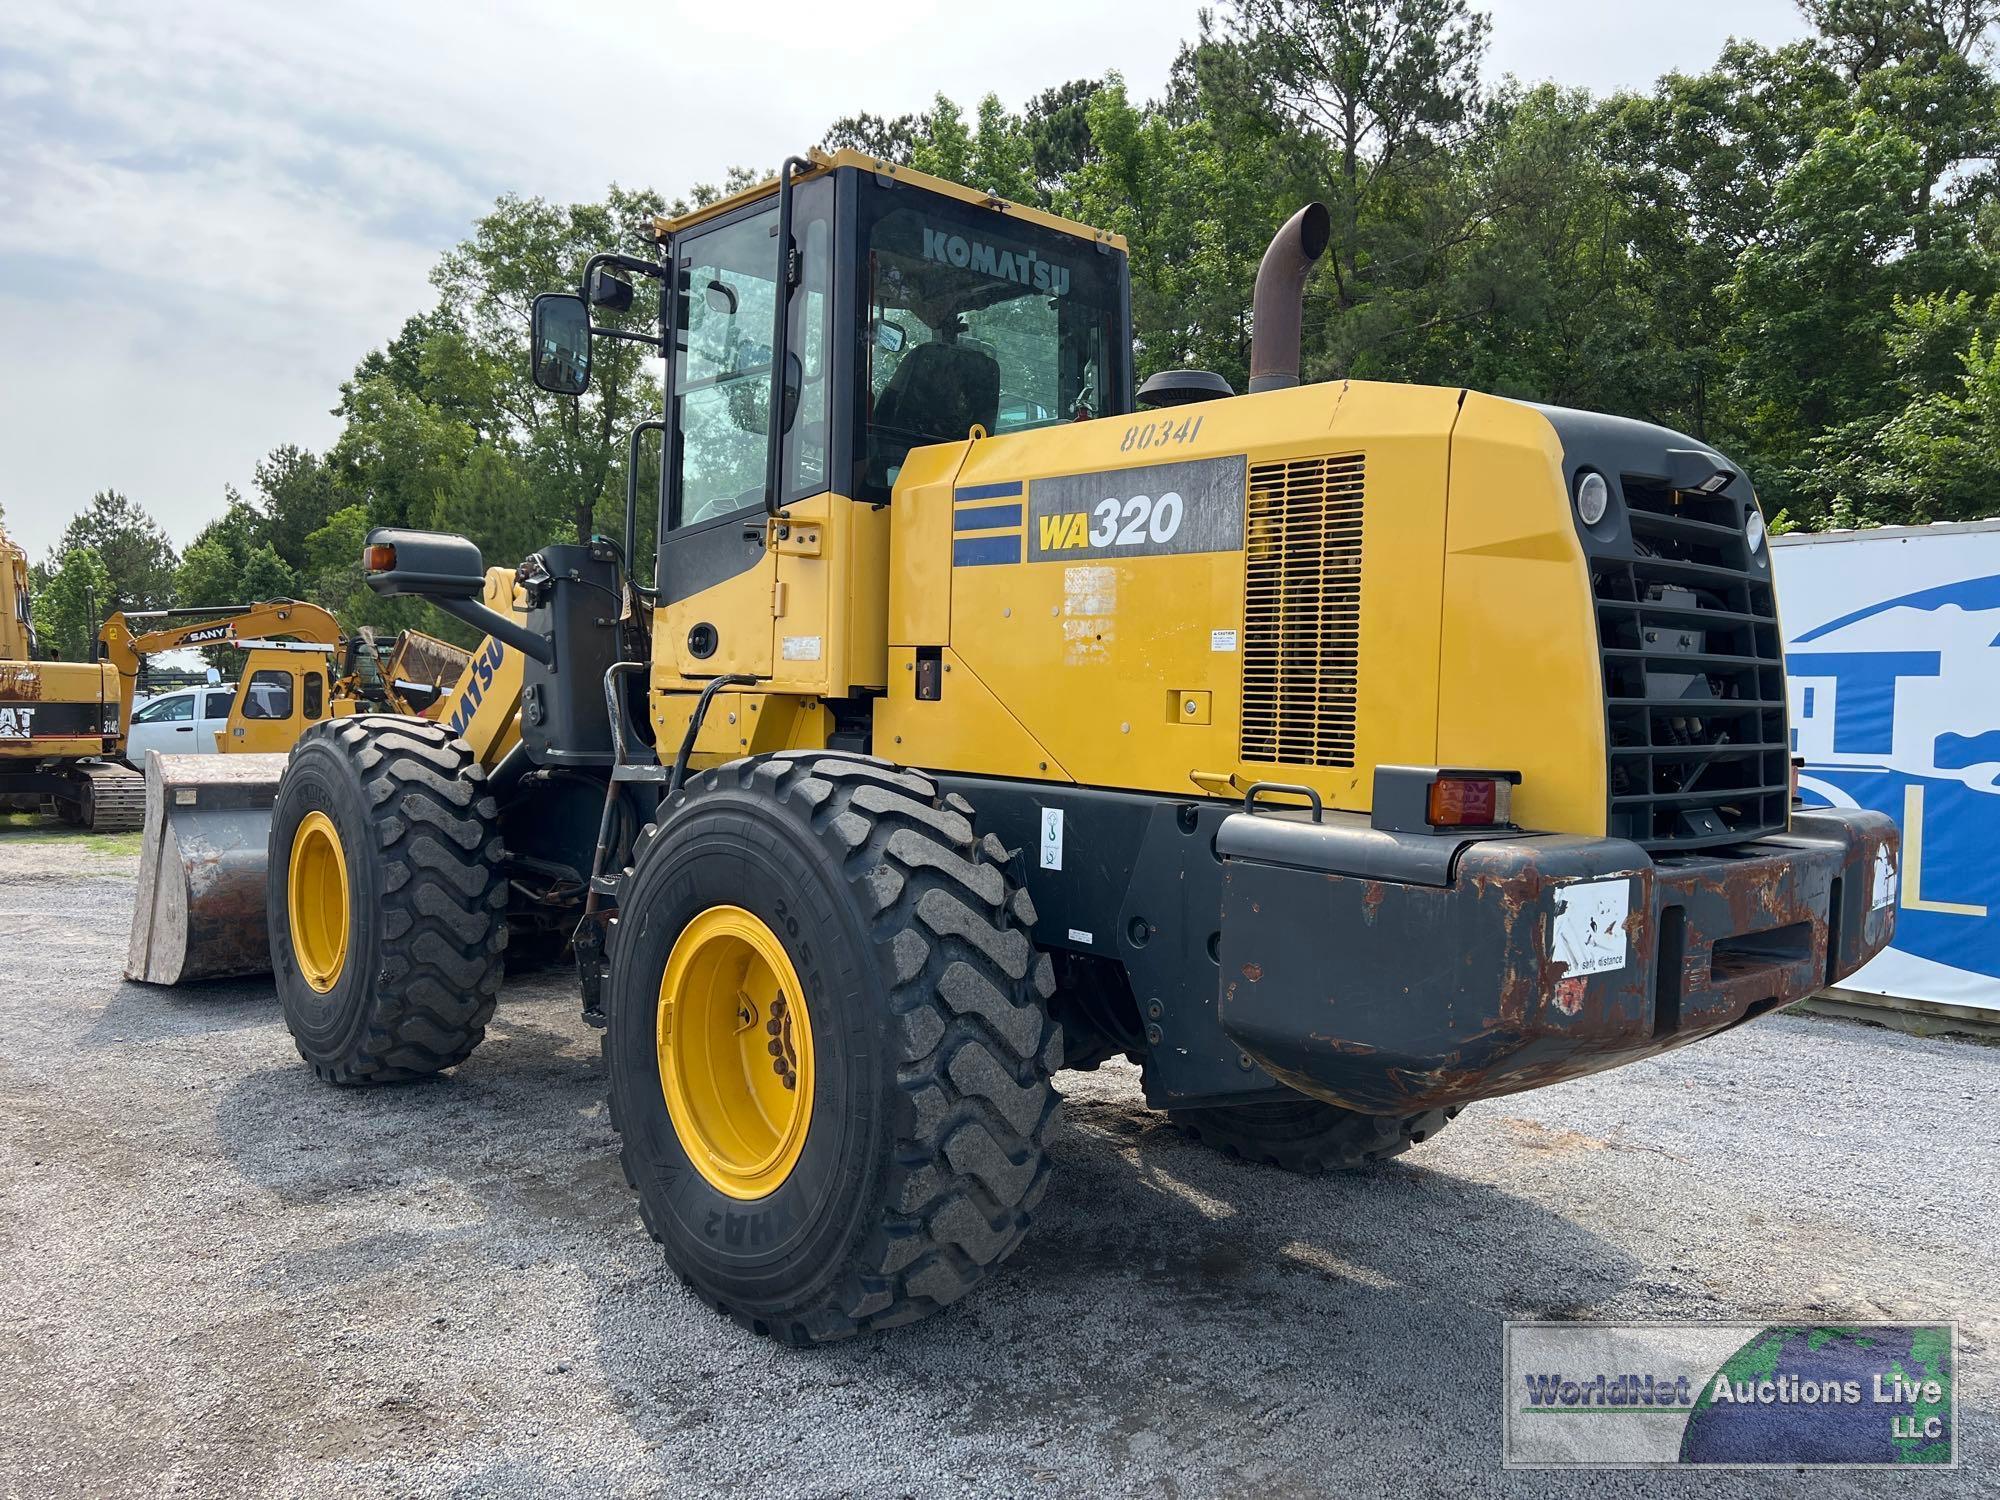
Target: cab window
[166, 710]
[722, 367]
[315, 695]
[977, 320]
[216, 705]
[268, 695]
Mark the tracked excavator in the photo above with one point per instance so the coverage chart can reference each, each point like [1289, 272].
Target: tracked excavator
[62, 723]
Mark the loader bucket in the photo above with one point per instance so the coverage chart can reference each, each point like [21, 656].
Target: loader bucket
[200, 908]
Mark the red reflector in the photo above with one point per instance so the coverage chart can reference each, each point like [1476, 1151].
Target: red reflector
[1468, 802]
[379, 557]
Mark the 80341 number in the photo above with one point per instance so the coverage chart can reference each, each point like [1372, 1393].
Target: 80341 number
[1162, 433]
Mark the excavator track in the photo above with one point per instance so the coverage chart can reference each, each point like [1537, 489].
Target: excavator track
[113, 798]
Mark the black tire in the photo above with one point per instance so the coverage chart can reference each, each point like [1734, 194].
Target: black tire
[924, 1159]
[1308, 1136]
[427, 898]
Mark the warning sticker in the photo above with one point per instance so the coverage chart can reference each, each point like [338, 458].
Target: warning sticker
[1883, 893]
[1052, 838]
[1590, 926]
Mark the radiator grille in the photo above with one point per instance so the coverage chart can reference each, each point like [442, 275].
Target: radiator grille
[1693, 675]
[1302, 611]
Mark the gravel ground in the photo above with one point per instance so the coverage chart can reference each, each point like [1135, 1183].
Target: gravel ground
[219, 1277]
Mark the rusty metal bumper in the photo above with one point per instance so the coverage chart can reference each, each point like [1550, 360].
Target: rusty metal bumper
[1392, 972]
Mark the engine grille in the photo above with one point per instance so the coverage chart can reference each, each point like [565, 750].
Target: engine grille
[1693, 676]
[1302, 611]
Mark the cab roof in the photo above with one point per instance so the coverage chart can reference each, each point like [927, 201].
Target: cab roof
[824, 161]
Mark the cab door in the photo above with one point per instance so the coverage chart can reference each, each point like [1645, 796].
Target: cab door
[167, 724]
[279, 696]
[718, 566]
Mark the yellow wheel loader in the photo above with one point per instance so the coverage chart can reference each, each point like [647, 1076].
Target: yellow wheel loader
[61, 722]
[199, 913]
[1343, 753]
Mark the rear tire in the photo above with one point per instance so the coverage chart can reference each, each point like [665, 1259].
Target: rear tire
[930, 1048]
[393, 814]
[1308, 1136]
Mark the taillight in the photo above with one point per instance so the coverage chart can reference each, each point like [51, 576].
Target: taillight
[1469, 802]
[379, 557]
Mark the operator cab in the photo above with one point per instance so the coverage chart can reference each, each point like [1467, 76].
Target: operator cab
[918, 311]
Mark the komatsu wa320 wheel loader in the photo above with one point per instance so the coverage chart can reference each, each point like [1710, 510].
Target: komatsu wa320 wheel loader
[1344, 753]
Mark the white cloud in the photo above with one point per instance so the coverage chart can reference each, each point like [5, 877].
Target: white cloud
[210, 211]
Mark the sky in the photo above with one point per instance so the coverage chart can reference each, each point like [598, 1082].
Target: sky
[211, 209]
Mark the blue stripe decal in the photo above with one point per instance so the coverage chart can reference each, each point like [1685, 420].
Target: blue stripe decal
[986, 517]
[987, 491]
[984, 551]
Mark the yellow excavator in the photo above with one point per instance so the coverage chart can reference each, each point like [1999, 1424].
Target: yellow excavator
[297, 668]
[1342, 753]
[61, 722]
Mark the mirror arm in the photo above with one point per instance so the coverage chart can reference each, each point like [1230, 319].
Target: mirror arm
[628, 336]
[633, 263]
[781, 334]
[500, 627]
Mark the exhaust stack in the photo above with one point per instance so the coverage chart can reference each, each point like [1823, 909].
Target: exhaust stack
[1277, 307]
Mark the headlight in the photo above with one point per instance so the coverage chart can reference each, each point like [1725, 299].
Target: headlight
[1593, 498]
[1753, 530]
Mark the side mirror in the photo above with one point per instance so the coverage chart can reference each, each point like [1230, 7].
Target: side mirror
[448, 571]
[423, 564]
[890, 336]
[559, 346]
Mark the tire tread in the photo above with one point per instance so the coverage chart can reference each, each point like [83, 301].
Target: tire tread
[966, 994]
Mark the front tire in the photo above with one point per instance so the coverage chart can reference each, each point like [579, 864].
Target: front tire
[386, 899]
[851, 888]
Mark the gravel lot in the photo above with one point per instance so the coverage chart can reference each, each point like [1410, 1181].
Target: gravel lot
[219, 1277]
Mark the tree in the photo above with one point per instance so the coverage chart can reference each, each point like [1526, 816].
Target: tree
[208, 575]
[267, 575]
[572, 448]
[128, 543]
[1057, 126]
[72, 602]
[1371, 92]
[299, 494]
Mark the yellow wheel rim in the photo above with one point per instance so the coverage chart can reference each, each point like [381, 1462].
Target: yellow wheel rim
[735, 1050]
[316, 891]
